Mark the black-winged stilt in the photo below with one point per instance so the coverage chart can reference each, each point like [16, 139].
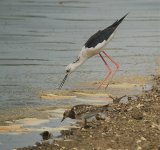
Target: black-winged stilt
[95, 45]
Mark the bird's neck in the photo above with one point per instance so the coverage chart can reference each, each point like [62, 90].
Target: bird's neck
[79, 63]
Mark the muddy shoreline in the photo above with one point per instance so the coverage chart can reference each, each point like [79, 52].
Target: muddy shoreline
[132, 125]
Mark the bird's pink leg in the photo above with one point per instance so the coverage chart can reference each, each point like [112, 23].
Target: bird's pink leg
[115, 63]
[108, 67]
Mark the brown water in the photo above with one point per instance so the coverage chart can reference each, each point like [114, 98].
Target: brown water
[38, 38]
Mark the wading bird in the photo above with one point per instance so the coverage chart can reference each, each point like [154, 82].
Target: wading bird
[95, 45]
[84, 112]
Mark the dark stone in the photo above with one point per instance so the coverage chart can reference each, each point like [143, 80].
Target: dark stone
[38, 144]
[46, 135]
[136, 114]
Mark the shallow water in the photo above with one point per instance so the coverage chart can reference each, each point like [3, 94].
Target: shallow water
[39, 38]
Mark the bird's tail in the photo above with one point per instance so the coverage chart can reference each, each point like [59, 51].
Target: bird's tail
[115, 24]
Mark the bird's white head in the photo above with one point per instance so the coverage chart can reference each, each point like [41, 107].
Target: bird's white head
[71, 67]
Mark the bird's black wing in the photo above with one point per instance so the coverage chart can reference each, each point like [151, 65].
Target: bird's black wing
[100, 36]
[94, 40]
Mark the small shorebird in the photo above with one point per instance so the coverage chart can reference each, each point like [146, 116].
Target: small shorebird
[84, 112]
[95, 45]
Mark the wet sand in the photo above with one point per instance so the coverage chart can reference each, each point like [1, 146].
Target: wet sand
[12, 128]
[32, 121]
[132, 125]
[40, 115]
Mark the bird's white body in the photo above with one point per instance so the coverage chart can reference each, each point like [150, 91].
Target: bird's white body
[86, 53]
[89, 52]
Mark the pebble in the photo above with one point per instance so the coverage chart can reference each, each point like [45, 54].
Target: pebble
[155, 126]
[103, 134]
[46, 135]
[56, 144]
[137, 114]
[142, 138]
[105, 129]
[130, 108]
[34, 145]
[37, 143]
[83, 129]
[140, 105]
[74, 148]
[139, 148]
[138, 141]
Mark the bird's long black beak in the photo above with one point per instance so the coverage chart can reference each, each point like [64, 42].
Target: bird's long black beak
[60, 86]
[62, 119]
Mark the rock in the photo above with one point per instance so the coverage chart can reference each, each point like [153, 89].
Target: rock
[62, 148]
[34, 145]
[46, 135]
[136, 114]
[90, 136]
[138, 141]
[74, 148]
[143, 139]
[37, 143]
[103, 134]
[154, 125]
[139, 148]
[105, 129]
[56, 144]
[83, 130]
[66, 133]
[100, 117]
[132, 98]
[140, 105]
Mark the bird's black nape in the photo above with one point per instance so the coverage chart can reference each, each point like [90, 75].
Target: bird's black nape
[62, 83]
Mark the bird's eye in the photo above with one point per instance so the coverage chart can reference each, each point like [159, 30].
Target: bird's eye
[67, 71]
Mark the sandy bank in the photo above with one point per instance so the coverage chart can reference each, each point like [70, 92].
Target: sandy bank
[135, 125]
